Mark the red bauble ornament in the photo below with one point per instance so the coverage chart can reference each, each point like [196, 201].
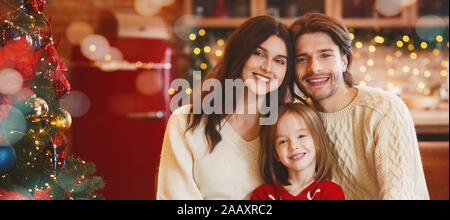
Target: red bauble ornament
[38, 5]
[60, 141]
[41, 194]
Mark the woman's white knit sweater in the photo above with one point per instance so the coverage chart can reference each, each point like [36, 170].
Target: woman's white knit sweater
[188, 171]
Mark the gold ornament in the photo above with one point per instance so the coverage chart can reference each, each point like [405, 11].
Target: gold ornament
[62, 121]
[40, 108]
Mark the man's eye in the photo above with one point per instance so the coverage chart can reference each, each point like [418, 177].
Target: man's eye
[301, 60]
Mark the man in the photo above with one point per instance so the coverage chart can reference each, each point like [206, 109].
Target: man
[377, 153]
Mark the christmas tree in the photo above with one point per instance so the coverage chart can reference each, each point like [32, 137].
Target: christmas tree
[33, 162]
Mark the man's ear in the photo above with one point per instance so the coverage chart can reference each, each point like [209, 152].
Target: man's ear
[345, 63]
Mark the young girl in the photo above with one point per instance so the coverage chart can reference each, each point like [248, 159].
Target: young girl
[296, 158]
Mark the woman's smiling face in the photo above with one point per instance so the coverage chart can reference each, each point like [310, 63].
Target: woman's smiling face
[266, 68]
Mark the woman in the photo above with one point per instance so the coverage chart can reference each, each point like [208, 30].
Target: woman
[215, 156]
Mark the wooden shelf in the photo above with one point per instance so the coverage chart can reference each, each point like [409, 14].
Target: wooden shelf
[408, 16]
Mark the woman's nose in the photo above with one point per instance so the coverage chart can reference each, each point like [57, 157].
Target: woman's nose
[266, 67]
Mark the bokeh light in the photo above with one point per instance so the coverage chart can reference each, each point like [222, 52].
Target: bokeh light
[77, 31]
[147, 7]
[76, 103]
[94, 46]
[11, 81]
[429, 32]
[14, 126]
[149, 82]
[388, 7]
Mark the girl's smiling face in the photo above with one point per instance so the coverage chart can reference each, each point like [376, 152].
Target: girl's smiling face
[294, 144]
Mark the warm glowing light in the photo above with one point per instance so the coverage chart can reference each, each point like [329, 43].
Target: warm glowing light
[413, 56]
[363, 69]
[207, 49]
[359, 45]
[192, 36]
[427, 74]
[391, 72]
[424, 45]
[439, 38]
[197, 51]
[92, 48]
[405, 69]
[219, 53]
[405, 38]
[370, 62]
[352, 36]
[411, 47]
[171, 91]
[421, 85]
[390, 86]
[372, 49]
[202, 32]
[388, 58]
[204, 66]
[399, 43]
[379, 39]
[444, 73]
[188, 91]
[220, 42]
[436, 52]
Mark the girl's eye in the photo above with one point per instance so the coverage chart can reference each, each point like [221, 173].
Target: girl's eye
[301, 136]
[281, 142]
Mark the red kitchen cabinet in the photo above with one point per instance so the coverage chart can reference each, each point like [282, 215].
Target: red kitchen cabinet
[123, 130]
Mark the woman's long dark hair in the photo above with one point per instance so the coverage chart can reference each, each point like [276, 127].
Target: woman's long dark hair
[242, 43]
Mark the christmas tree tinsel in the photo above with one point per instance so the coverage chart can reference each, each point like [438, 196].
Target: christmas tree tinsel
[39, 143]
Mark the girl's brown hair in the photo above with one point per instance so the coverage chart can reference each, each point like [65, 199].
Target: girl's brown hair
[242, 43]
[273, 171]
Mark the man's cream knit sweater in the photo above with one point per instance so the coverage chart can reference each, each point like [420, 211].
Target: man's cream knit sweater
[188, 171]
[376, 148]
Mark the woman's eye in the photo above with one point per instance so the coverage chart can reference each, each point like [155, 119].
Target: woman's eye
[301, 136]
[280, 61]
[257, 53]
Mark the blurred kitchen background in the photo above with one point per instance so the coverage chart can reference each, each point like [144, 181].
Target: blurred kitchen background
[123, 54]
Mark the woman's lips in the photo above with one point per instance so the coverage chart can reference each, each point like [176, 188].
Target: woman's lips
[262, 78]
